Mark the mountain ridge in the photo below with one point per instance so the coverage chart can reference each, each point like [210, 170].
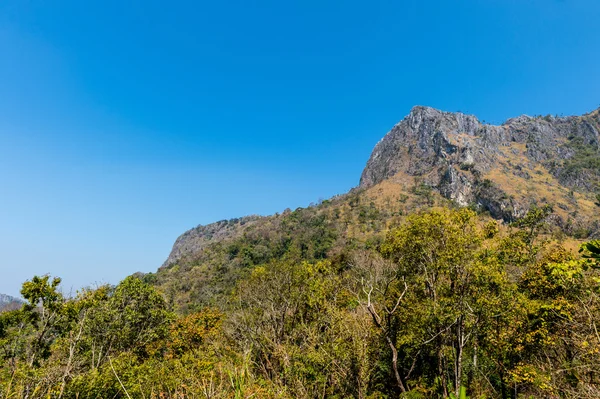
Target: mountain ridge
[501, 169]
[434, 128]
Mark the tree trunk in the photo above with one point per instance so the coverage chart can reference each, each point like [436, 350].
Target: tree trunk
[441, 370]
[395, 363]
[459, 356]
[390, 343]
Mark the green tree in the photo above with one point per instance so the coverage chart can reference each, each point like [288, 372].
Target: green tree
[436, 300]
[292, 318]
[130, 317]
[533, 223]
[591, 251]
[45, 304]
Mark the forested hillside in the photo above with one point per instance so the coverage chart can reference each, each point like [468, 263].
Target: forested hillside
[445, 275]
[430, 158]
[448, 304]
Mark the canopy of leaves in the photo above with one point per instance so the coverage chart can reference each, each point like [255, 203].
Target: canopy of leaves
[447, 303]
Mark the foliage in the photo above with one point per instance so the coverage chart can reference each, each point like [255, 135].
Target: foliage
[586, 156]
[591, 251]
[447, 304]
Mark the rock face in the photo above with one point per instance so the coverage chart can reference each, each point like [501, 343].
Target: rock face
[196, 239]
[479, 164]
[8, 302]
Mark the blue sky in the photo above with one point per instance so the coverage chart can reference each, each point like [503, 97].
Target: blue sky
[123, 125]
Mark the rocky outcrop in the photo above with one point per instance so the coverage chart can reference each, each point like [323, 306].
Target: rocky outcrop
[8, 302]
[474, 163]
[195, 240]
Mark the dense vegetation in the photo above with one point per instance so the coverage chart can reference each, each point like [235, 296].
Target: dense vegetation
[582, 167]
[447, 304]
[584, 163]
[331, 229]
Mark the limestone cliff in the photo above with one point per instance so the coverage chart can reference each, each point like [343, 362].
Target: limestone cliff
[503, 169]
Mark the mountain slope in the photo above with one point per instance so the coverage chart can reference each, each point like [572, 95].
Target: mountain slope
[8, 302]
[431, 158]
[196, 239]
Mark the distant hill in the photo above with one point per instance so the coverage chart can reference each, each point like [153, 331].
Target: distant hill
[429, 159]
[8, 302]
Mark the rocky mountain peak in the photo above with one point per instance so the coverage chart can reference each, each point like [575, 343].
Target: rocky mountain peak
[474, 163]
[417, 143]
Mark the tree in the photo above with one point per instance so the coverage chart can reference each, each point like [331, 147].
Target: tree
[45, 306]
[591, 251]
[130, 317]
[293, 319]
[532, 223]
[381, 290]
[433, 298]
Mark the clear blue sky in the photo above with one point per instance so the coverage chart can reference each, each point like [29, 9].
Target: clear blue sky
[125, 123]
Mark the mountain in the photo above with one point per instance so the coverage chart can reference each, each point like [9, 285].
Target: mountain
[502, 169]
[430, 158]
[393, 290]
[8, 302]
